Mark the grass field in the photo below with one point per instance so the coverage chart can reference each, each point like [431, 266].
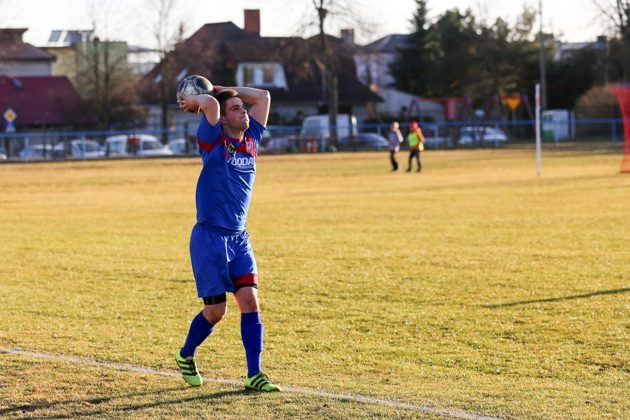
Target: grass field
[476, 288]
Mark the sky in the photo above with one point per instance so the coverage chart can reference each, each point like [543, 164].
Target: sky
[133, 20]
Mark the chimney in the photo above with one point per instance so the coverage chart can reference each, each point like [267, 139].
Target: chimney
[347, 35]
[252, 21]
[11, 36]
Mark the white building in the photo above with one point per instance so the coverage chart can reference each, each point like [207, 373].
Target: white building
[372, 63]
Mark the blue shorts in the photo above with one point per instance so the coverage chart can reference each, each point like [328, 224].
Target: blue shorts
[221, 261]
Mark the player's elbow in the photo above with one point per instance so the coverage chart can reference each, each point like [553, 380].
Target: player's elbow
[264, 96]
[207, 101]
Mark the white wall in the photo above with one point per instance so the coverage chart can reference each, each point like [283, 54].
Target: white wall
[17, 69]
[378, 67]
[395, 100]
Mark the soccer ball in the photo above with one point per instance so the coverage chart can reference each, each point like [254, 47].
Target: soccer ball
[195, 85]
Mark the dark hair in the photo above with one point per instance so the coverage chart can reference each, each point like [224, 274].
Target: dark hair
[223, 96]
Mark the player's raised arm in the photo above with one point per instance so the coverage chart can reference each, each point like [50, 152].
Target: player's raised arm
[204, 103]
[259, 99]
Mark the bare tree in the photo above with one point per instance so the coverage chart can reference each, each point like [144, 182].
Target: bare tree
[330, 68]
[618, 14]
[342, 12]
[166, 36]
[103, 76]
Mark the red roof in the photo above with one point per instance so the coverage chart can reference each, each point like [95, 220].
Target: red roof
[40, 101]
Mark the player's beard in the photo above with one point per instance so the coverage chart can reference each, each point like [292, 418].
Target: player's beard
[238, 125]
[242, 125]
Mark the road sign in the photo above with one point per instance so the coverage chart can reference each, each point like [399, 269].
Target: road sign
[511, 101]
[9, 115]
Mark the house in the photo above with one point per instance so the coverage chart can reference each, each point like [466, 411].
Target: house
[565, 50]
[286, 66]
[41, 102]
[141, 59]
[27, 86]
[78, 53]
[70, 47]
[18, 58]
[64, 46]
[372, 63]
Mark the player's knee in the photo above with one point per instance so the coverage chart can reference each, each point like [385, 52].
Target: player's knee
[247, 299]
[214, 314]
[249, 305]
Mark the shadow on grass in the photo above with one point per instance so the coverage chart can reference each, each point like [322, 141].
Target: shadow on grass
[128, 408]
[560, 299]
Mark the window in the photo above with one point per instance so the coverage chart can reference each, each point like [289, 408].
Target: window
[248, 75]
[151, 145]
[268, 74]
[54, 36]
[17, 83]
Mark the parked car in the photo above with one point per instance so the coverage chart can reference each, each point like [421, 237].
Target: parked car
[37, 151]
[80, 149]
[364, 141]
[135, 145]
[279, 144]
[435, 142]
[279, 140]
[178, 147]
[479, 135]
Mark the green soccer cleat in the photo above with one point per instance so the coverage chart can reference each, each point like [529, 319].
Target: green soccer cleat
[260, 382]
[189, 369]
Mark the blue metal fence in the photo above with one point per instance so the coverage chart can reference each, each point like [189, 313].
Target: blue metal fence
[51, 145]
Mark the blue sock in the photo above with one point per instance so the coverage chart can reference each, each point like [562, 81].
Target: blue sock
[200, 329]
[252, 335]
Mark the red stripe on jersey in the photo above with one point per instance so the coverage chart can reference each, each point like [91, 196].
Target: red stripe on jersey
[247, 145]
[207, 146]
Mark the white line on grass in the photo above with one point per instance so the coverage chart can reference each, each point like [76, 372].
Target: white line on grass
[307, 391]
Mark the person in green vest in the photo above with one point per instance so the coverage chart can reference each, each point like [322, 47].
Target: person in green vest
[416, 145]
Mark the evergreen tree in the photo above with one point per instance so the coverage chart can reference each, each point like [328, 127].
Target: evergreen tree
[410, 69]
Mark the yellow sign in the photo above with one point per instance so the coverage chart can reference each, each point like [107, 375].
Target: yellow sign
[9, 115]
[512, 101]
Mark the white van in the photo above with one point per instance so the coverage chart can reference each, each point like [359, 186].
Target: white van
[317, 126]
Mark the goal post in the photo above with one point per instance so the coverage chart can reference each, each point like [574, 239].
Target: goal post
[538, 132]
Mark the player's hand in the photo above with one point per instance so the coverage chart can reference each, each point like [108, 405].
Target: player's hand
[187, 103]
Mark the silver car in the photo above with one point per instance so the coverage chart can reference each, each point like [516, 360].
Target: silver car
[135, 144]
[479, 135]
[79, 149]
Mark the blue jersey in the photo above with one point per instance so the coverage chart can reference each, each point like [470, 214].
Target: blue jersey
[224, 188]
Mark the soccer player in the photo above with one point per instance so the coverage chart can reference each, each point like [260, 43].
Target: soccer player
[221, 255]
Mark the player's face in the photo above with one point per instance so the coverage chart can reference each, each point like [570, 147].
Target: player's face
[235, 117]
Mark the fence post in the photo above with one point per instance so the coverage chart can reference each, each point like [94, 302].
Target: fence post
[186, 141]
